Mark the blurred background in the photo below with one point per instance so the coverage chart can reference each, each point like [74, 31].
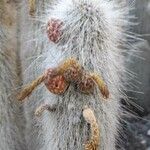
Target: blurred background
[138, 128]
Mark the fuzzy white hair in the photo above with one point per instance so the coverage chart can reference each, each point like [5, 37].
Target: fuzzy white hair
[11, 119]
[96, 33]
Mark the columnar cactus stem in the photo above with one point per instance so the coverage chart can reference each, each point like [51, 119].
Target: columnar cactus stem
[95, 34]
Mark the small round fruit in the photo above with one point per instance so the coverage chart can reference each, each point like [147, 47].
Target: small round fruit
[57, 84]
[54, 30]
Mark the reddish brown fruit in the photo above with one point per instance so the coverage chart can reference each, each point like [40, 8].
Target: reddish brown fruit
[54, 30]
[86, 85]
[50, 73]
[56, 85]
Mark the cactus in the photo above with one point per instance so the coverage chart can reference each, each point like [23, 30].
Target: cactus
[96, 34]
[83, 97]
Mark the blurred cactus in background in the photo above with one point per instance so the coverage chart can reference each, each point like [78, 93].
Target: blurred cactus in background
[11, 118]
[141, 65]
